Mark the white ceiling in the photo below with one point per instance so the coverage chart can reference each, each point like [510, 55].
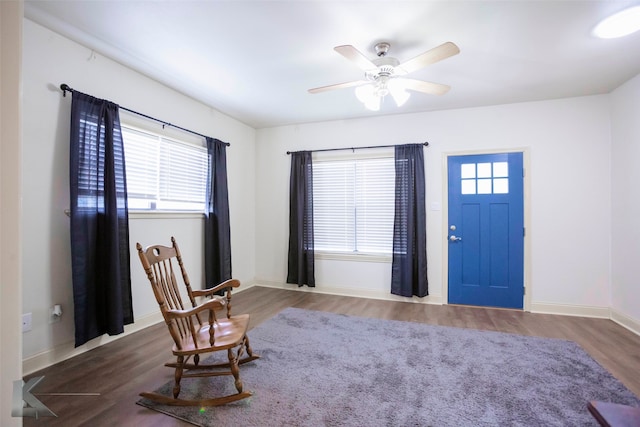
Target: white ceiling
[255, 60]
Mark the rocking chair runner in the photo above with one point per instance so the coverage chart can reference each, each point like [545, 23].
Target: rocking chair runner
[198, 330]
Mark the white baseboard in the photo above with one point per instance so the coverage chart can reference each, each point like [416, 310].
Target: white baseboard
[349, 292]
[571, 310]
[598, 312]
[548, 308]
[623, 320]
[67, 350]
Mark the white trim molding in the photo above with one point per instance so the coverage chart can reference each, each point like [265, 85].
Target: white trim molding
[67, 350]
[623, 320]
[620, 318]
[536, 307]
[349, 292]
[571, 310]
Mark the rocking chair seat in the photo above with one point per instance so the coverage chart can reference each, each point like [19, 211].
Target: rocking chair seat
[228, 333]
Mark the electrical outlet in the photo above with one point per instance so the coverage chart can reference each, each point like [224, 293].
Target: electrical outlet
[26, 322]
[55, 313]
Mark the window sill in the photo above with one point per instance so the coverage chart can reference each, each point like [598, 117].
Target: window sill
[358, 257]
[164, 214]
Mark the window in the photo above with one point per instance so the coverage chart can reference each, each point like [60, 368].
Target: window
[164, 173]
[353, 205]
[485, 178]
[91, 163]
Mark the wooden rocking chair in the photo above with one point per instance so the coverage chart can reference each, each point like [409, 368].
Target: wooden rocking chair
[196, 331]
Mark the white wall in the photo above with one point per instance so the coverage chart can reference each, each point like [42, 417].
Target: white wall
[625, 190]
[569, 145]
[48, 61]
[10, 206]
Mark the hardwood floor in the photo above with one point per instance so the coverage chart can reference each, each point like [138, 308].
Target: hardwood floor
[123, 368]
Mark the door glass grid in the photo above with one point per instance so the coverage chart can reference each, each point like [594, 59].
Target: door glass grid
[484, 178]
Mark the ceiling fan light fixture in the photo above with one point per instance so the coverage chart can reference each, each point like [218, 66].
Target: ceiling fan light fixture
[398, 92]
[619, 24]
[371, 94]
[400, 97]
[367, 94]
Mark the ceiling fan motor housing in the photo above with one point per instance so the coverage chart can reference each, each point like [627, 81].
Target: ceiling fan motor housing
[382, 48]
[386, 69]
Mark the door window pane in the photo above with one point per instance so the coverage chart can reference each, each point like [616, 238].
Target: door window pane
[501, 185]
[468, 170]
[500, 169]
[484, 170]
[468, 186]
[484, 186]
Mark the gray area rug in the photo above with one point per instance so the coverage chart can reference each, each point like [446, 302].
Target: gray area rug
[323, 369]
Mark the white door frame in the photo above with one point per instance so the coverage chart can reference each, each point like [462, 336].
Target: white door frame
[526, 192]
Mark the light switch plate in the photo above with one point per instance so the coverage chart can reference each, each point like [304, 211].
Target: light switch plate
[26, 322]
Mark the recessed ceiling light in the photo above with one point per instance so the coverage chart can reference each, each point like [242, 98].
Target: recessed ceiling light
[619, 24]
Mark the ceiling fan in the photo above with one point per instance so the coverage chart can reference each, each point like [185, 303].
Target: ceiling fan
[385, 74]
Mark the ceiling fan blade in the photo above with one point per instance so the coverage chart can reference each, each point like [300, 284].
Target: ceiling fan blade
[430, 57]
[337, 86]
[425, 87]
[355, 56]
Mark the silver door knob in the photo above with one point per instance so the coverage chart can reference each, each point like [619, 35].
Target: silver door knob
[454, 238]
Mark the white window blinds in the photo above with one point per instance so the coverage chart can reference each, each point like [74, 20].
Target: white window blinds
[164, 173]
[353, 205]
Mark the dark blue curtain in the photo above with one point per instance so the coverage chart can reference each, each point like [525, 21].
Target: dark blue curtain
[409, 267]
[99, 220]
[301, 268]
[217, 231]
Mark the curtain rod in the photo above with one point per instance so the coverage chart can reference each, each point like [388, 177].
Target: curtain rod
[426, 144]
[65, 87]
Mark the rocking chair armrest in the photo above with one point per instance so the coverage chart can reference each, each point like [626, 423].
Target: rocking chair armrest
[213, 304]
[231, 283]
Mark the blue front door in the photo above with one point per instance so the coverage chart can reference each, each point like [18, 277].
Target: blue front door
[486, 230]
